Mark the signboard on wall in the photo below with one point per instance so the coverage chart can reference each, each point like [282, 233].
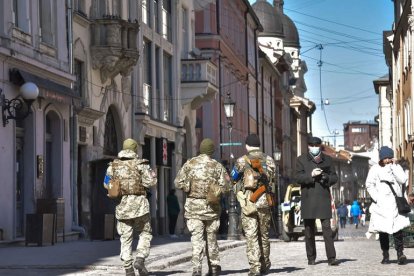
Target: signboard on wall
[164, 152]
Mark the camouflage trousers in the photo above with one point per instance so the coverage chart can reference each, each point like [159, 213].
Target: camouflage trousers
[256, 229]
[200, 230]
[126, 229]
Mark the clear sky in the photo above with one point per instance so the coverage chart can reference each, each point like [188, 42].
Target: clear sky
[350, 33]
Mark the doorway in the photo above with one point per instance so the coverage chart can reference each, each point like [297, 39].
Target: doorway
[19, 185]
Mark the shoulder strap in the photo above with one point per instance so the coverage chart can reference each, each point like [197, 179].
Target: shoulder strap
[390, 184]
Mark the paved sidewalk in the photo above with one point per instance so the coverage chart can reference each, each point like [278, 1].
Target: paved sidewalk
[85, 254]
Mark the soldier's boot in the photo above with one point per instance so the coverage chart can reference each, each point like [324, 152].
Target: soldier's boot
[140, 266]
[402, 259]
[385, 257]
[196, 273]
[215, 270]
[129, 271]
[253, 272]
[264, 269]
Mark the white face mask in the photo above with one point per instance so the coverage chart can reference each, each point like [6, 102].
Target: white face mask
[314, 150]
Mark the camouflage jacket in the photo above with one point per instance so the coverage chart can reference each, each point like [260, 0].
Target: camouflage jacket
[196, 174]
[133, 206]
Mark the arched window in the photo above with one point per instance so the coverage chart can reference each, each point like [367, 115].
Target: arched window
[110, 136]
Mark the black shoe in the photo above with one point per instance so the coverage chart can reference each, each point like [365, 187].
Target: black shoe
[333, 262]
[385, 257]
[402, 259]
[311, 262]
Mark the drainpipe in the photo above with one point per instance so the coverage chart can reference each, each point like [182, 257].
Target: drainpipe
[73, 128]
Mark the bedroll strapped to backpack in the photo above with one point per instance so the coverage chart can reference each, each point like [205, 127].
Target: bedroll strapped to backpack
[258, 181]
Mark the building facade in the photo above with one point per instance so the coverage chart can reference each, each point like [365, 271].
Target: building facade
[35, 151]
[360, 135]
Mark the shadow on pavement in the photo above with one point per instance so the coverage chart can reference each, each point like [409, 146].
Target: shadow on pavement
[161, 273]
[287, 269]
[232, 272]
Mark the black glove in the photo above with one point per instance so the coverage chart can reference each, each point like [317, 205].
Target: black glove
[324, 179]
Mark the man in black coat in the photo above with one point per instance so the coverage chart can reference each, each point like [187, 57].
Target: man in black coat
[316, 173]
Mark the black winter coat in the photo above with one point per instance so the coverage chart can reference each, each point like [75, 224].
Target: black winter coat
[315, 192]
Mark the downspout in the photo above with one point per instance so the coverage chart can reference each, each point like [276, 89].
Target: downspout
[220, 79]
[73, 130]
[272, 129]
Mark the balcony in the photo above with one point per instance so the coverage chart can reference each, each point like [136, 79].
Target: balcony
[114, 46]
[198, 81]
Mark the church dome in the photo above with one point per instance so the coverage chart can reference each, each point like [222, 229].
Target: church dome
[270, 18]
[291, 32]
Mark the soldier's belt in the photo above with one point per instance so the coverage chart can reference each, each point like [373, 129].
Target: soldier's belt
[198, 197]
[136, 193]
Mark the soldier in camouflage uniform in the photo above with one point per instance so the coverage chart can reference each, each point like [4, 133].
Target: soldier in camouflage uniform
[255, 225]
[132, 210]
[204, 180]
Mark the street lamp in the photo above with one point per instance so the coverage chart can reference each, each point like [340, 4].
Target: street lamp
[18, 109]
[277, 155]
[233, 216]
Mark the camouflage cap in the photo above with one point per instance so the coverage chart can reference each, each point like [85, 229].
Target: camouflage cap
[130, 144]
[207, 146]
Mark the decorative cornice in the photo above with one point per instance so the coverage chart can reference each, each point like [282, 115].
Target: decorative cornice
[88, 115]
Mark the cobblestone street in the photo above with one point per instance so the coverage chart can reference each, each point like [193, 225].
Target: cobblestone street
[358, 256]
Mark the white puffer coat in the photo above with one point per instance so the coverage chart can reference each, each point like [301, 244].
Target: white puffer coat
[384, 212]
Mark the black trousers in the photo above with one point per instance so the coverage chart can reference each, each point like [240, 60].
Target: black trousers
[398, 241]
[310, 231]
[172, 223]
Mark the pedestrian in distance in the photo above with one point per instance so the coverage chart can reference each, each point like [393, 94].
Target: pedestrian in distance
[173, 211]
[316, 174]
[385, 218]
[204, 180]
[356, 213]
[343, 214]
[255, 173]
[350, 218]
[363, 214]
[132, 210]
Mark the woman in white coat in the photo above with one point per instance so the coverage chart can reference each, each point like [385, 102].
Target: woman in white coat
[385, 218]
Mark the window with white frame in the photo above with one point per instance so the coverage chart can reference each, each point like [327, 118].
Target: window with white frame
[184, 33]
[166, 20]
[168, 99]
[407, 115]
[146, 15]
[21, 15]
[47, 21]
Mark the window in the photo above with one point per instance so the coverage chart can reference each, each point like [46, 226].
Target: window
[358, 130]
[147, 77]
[79, 6]
[168, 99]
[156, 17]
[20, 15]
[116, 8]
[184, 33]
[146, 15]
[79, 71]
[166, 19]
[47, 21]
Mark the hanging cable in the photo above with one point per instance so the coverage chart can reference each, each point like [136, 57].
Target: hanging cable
[320, 63]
